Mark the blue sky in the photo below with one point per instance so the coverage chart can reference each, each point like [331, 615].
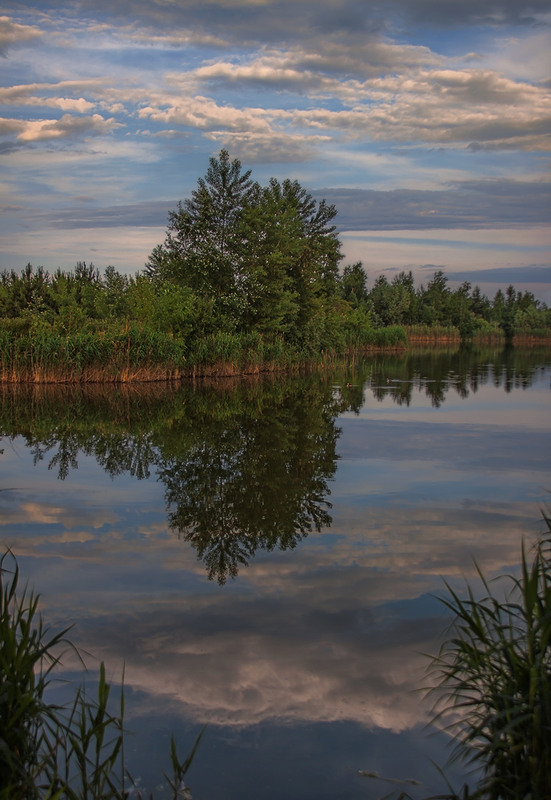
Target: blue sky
[426, 122]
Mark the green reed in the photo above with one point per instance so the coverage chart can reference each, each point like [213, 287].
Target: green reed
[122, 352]
[230, 352]
[494, 680]
[26, 660]
[50, 752]
[433, 332]
[47, 355]
[492, 683]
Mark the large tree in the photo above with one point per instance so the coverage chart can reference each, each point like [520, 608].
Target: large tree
[265, 258]
[289, 259]
[200, 245]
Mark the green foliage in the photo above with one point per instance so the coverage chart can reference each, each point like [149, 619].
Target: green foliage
[395, 303]
[201, 239]
[49, 752]
[266, 257]
[353, 285]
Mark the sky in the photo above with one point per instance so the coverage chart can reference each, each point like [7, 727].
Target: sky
[426, 123]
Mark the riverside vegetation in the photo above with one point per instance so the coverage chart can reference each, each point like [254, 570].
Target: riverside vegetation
[492, 675]
[247, 280]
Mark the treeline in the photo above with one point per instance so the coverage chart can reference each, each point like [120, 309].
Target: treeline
[465, 308]
[86, 300]
[247, 278]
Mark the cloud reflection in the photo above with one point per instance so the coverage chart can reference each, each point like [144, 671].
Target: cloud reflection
[331, 632]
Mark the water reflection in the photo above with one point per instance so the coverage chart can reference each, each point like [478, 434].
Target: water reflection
[257, 479]
[441, 371]
[245, 465]
[307, 667]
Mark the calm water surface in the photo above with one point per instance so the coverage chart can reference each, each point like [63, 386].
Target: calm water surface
[263, 556]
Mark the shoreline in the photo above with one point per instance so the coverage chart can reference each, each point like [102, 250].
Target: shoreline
[155, 373]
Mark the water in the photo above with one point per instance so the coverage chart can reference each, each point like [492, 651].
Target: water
[266, 556]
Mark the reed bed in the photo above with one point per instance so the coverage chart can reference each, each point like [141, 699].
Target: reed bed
[47, 356]
[432, 333]
[135, 353]
[484, 334]
[531, 337]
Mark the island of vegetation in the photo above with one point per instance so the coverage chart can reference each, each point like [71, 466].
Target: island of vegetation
[247, 280]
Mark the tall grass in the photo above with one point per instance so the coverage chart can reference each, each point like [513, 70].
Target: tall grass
[104, 352]
[49, 752]
[492, 683]
[26, 660]
[134, 354]
[46, 355]
[432, 333]
[494, 680]
[235, 352]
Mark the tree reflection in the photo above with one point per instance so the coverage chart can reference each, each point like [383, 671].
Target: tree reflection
[439, 371]
[245, 464]
[254, 483]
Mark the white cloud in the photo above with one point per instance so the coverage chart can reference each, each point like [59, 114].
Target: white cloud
[271, 147]
[436, 106]
[22, 96]
[69, 104]
[323, 67]
[206, 114]
[524, 56]
[8, 126]
[442, 108]
[66, 127]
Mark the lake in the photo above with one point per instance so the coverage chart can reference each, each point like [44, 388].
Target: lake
[266, 555]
